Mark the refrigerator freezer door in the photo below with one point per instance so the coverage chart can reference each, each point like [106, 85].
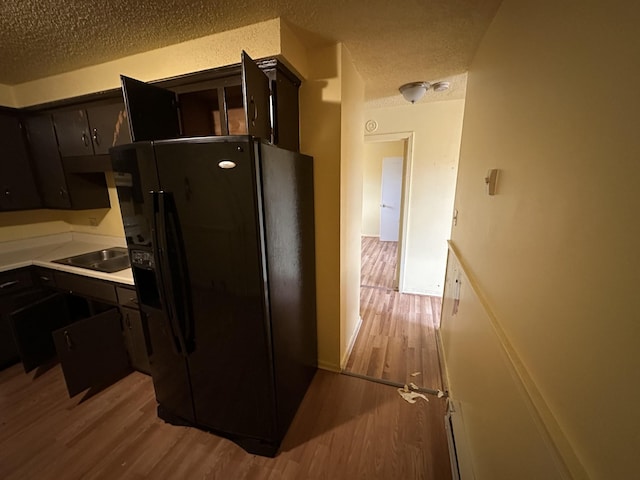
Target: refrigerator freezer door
[217, 216]
[169, 371]
[136, 176]
[134, 172]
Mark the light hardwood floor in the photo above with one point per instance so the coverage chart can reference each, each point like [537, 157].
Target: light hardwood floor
[346, 428]
[398, 332]
[379, 261]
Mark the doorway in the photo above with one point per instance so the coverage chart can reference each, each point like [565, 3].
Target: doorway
[390, 198]
[377, 206]
[382, 210]
[396, 342]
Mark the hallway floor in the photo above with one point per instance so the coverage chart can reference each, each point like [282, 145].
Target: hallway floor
[345, 428]
[397, 337]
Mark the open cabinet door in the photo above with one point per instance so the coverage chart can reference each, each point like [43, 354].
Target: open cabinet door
[92, 352]
[32, 323]
[255, 90]
[152, 111]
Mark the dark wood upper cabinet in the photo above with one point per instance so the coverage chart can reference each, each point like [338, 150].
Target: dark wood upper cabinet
[286, 113]
[60, 187]
[91, 130]
[62, 164]
[109, 127]
[152, 111]
[72, 129]
[47, 162]
[237, 102]
[18, 189]
[256, 97]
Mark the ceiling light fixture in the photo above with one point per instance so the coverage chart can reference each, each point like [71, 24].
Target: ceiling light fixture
[414, 91]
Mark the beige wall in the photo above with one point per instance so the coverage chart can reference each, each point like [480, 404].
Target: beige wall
[32, 223]
[555, 251]
[6, 96]
[331, 101]
[490, 397]
[374, 152]
[294, 52]
[351, 165]
[320, 134]
[437, 128]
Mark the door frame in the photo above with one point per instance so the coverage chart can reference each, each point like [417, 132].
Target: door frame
[405, 197]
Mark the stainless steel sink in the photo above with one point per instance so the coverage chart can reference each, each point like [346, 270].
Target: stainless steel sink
[108, 260]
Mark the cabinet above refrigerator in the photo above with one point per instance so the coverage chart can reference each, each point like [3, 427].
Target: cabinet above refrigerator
[236, 106]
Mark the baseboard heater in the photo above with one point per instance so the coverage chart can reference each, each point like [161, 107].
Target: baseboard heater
[458, 453]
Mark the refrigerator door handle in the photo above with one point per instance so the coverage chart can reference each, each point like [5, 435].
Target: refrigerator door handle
[165, 205]
[159, 251]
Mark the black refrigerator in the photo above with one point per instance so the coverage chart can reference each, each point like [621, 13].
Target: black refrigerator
[220, 232]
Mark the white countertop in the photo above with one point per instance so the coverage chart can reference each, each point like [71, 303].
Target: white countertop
[42, 251]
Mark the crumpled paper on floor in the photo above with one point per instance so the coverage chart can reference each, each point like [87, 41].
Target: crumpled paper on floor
[411, 396]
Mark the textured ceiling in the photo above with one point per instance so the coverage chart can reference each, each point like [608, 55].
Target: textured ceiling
[392, 42]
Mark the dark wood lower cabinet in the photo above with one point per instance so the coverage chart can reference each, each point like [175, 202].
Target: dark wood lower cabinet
[135, 339]
[40, 313]
[8, 350]
[91, 351]
[94, 327]
[86, 287]
[13, 285]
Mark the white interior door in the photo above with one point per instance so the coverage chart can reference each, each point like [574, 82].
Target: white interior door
[390, 198]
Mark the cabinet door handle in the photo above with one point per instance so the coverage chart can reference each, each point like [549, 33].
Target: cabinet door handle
[255, 111]
[127, 320]
[134, 300]
[67, 339]
[85, 139]
[96, 138]
[9, 284]
[7, 192]
[63, 192]
[43, 278]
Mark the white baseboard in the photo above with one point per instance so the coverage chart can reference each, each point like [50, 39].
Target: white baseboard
[352, 341]
[430, 293]
[331, 367]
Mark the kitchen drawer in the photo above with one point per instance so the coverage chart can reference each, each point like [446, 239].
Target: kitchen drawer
[15, 280]
[87, 287]
[45, 277]
[127, 297]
